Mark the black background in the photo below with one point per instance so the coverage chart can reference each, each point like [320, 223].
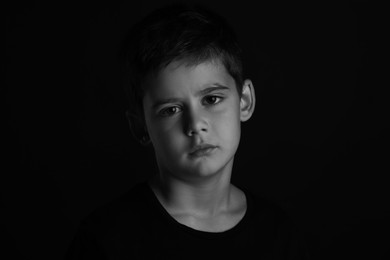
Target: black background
[317, 144]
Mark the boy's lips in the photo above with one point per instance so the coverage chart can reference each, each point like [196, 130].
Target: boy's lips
[202, 150]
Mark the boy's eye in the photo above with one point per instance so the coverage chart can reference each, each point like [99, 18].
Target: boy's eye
[169, 111]
[212, 100]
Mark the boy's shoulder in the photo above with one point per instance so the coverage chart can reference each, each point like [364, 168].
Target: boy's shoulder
[277, 226]
[116, 223]
[267, 214]
[262, 205]
[124, 208]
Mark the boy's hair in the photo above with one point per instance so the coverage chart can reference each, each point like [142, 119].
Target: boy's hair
[190, 34]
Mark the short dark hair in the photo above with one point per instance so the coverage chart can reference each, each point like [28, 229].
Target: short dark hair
[178, 32]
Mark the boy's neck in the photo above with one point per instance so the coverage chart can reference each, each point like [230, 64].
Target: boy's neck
[205, 198]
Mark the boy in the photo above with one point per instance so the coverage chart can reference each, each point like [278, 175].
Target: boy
[187, 98]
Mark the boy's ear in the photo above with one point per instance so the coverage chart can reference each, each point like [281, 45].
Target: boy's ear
[138, 128]
[248, 101]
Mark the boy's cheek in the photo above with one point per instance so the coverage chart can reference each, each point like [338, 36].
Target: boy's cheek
[226, 116]
[169, 136]
[164, 126]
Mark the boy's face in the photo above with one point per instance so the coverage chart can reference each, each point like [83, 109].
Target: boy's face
[193, 116]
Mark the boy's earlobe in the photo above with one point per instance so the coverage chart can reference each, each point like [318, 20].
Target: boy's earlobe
[248, 100]
[138, 128]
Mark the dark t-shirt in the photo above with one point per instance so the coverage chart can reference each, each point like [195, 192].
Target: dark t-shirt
[136, 226]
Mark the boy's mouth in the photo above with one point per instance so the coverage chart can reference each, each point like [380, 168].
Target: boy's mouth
[202, 150]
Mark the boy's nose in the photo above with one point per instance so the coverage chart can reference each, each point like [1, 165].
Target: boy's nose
[195, 123]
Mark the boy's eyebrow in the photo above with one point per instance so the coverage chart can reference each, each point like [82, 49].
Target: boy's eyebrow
[214, 87]
[164, 101]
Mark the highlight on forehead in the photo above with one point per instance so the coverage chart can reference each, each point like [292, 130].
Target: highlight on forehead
[187, 62]
[193, 59]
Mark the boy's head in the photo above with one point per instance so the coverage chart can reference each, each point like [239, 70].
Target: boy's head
[178, 32]
[186, 89]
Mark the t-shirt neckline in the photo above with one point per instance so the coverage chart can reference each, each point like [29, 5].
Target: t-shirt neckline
[208, 234]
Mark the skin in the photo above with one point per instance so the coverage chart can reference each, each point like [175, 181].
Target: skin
[184, 107]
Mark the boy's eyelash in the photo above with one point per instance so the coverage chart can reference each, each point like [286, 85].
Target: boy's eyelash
[163, 112]
[219, 98]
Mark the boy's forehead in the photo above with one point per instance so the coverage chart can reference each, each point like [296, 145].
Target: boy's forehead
[179, 76]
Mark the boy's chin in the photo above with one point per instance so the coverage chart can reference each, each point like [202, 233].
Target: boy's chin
[198, 169]
[203, 170]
